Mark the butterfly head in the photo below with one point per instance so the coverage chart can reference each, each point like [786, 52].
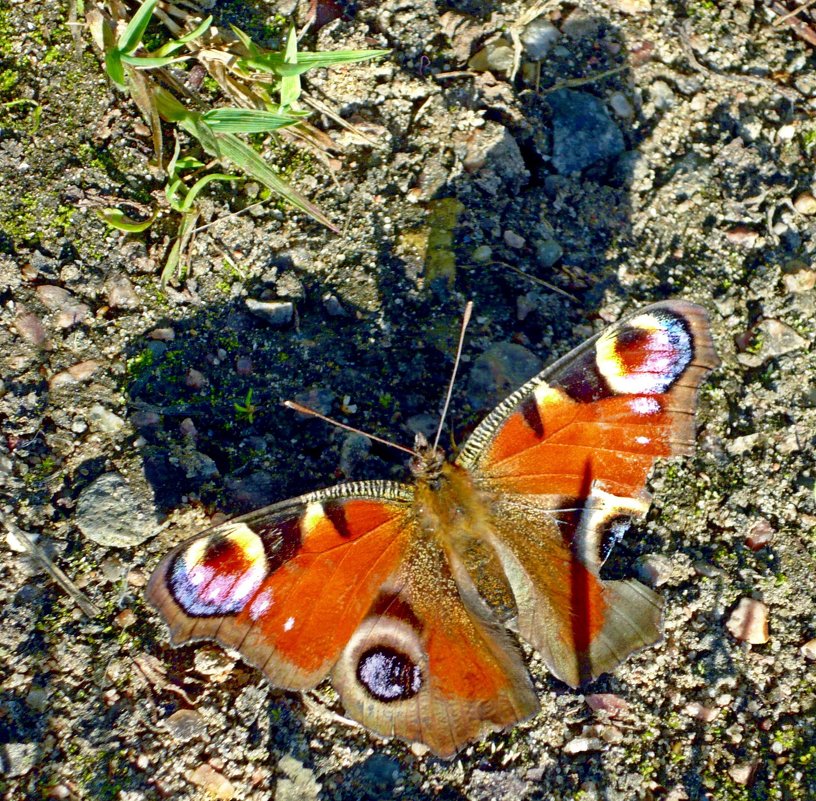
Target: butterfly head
[426, 465]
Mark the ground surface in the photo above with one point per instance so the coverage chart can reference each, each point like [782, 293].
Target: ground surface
[705, 138]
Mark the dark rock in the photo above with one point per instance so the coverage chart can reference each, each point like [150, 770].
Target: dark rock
[498, 371]
[253, 491]
[354, 451]
[583, 132]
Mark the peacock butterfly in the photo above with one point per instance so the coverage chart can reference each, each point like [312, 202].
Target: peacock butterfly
[400, 593]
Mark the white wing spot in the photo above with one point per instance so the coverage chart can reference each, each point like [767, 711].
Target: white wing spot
[261, 604]
[642, 440]
[644, 406]
[287, 626]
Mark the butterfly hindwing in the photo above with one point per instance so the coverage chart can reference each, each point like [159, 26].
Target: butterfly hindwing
[567, 456]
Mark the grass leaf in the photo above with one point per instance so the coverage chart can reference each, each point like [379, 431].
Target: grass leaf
[132, 35]
[142, 92]
[276, 63]
[201, 183]
[244, 157]
[175, 44]
[246, 41]
[290, 84]
[227, 145]
[176, 264]
[242, 120]
[119, 220]
[115, 68]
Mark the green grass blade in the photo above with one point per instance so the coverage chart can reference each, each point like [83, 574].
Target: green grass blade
[245, 158]
[242, 120]
[201, 183]
[227, 145]
[115, 68]
[290, 84]
[176, 259]
[173, 195]
[171, 166]
[119, 220]
[275, 62]
[175, 44]
[171, 110]
[246, 41]
[132, 35]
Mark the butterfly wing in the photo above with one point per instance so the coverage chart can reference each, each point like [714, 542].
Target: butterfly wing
[287, 585]
[344, 581]
[566, 458]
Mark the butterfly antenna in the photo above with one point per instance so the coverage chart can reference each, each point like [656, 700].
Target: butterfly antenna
[465, 321]
[306, 410]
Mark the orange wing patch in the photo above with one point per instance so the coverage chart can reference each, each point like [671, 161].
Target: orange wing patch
[286, 589]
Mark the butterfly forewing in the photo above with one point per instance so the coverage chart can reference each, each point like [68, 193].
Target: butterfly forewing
[287, 585]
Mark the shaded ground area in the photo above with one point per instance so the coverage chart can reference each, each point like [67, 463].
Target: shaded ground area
[643, 151]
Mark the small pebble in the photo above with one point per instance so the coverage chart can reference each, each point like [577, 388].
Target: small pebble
[243, 366]
[333, 306]
[580, 745]
[105, 420]
[808, 650]
[743, 772]
[633, 6]
[121, 294]
[495, 56]
[275, 312]
[700, 712]
[749, 621]
[621, 106]
[195, 379]
[54, 297]
[84, 370]
[538, 38]
[805, 204]
[800, 281]
[654, 569]
[125, 618]
[742, 235]
[610, 703]
[187, 428]
[548, 253]
[209, 779]
[760, 535]
[111, 513]
[30, 328]
[213, 662]
[163, 334]
[513, 240]
[482, 254]
[186, 724]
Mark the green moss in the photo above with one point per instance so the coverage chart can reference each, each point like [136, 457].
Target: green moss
[140, 364]
[9, 78]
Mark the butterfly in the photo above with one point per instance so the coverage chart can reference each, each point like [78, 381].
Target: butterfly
[402, 594]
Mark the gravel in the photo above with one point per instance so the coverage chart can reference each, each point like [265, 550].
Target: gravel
[642, 151]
